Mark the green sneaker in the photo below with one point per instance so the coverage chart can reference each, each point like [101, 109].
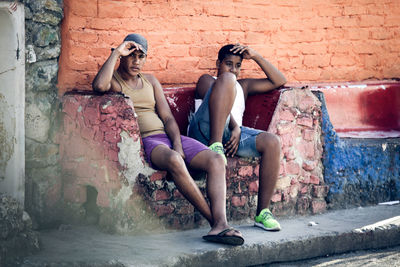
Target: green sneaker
[267, 221]
[218, 148]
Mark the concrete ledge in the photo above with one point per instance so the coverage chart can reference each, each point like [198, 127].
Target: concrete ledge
[336, 232]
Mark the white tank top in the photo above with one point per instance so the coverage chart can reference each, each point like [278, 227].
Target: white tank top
[238, 106]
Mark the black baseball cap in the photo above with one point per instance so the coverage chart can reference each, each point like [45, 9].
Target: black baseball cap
[139, 39]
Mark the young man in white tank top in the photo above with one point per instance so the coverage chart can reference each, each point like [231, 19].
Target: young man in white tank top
[218, 120]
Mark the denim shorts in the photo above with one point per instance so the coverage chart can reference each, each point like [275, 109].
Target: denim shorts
[199, 129]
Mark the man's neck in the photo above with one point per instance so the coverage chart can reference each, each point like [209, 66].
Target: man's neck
[126, 76]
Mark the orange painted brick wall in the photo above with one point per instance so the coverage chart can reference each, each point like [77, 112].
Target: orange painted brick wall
[310, 40]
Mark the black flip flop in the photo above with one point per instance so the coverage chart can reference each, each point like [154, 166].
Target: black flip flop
[225, 239]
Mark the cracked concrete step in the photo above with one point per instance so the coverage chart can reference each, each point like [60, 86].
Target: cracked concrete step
[333, 232]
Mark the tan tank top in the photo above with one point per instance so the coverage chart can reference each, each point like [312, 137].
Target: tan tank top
[145, 106]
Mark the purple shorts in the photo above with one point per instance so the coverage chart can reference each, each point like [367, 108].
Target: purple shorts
[191, 147]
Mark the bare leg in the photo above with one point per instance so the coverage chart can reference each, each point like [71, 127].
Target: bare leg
[220, 104]
[213, 164]
[270, 148]
[167, 159]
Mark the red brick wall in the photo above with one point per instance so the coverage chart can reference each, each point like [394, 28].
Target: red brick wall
[333, 40]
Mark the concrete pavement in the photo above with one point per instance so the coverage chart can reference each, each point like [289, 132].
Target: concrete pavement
[333, 232]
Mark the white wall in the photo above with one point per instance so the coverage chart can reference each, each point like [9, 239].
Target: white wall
[12, 101]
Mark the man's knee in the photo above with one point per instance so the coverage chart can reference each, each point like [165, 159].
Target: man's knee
[268, 142]
[215, 162]
[174, 161]
[227, 81]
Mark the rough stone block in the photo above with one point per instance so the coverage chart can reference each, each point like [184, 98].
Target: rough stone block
[287, 115]
[253, 187]
[306, 104]
[314, 180]
[161, 195]
[302, 205]
[163, 210]
[283, 183]
[305, 121]
[103, 196]
[245, 171]
[286, 140]
[309, 165]
[178, 195]
[307, 149]
[239, 201]
[285, 128]
[74, 193]
[320, 191]
[308, 135]
[157, 176]
[276, 197]
[185, 209]
[318, 206]
[292, 167]
[91, 116]
[288, 153]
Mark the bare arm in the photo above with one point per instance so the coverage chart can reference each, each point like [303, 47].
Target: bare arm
[274, 77]
[104, 79]
[164, 112]
[232, 145]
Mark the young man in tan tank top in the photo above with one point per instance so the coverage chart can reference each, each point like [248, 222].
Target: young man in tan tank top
[165, 148]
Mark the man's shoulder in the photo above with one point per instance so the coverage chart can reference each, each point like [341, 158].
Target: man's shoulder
[244, 83]
[149, 76]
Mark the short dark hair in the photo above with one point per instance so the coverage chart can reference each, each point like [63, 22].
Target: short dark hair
[226, 51]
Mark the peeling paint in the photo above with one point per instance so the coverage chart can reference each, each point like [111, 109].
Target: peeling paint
[106, 176]
[106, 105]
[130, 159]
[172, 102]
[3, 72]
[7, 136]
[361, 86]
[123, 195]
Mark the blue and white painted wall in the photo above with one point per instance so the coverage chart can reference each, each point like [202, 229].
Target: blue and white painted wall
[359, 171]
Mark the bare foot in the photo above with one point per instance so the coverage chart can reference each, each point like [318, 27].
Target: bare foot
[218, 229]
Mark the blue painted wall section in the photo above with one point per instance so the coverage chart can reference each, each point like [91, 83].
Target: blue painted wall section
[359, 172]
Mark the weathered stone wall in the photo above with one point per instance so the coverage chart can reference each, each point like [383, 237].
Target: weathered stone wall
[101, 160]
[43, 43]
[17, 238]
[106, 181]
[297, 121]
[12, 100]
